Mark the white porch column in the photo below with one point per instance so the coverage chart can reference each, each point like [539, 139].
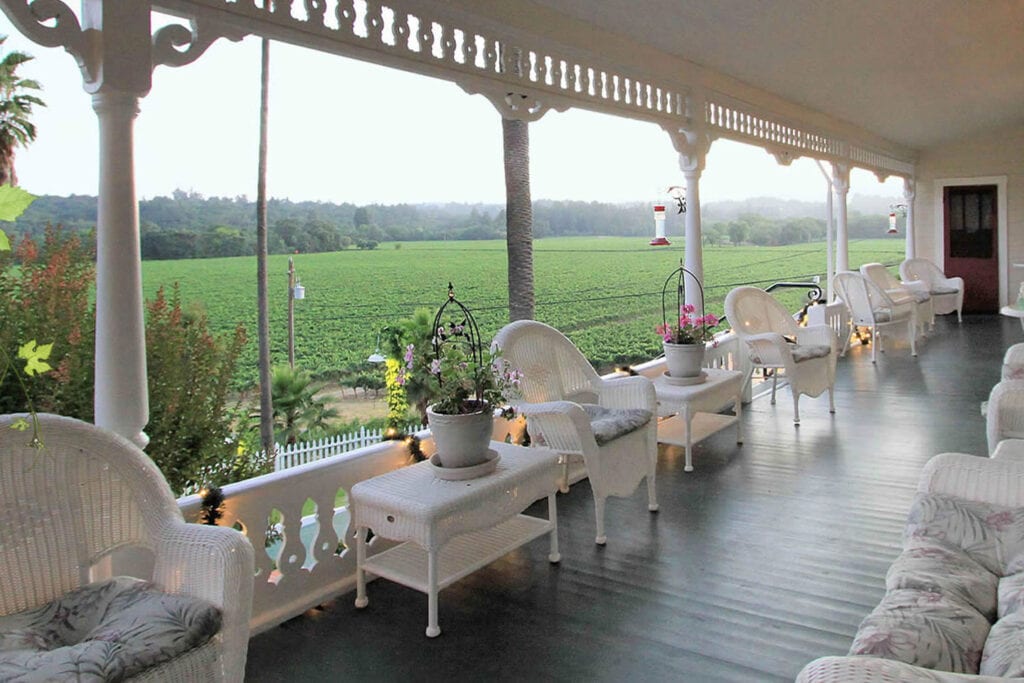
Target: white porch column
[909, 190]
[692, 146]
[694, 260]
[121, 396]
[841, 185]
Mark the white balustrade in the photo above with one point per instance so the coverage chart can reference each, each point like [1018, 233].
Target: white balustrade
[311, 570]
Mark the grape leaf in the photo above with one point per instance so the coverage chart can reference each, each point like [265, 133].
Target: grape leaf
[13, 202]
[35, 357]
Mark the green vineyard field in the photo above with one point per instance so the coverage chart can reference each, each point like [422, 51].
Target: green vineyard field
[603, 293]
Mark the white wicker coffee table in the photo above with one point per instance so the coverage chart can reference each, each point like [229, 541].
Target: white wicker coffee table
[452, 528]
[694, 409]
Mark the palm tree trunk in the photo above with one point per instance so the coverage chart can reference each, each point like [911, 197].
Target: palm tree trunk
[519, 219]
[266, 399]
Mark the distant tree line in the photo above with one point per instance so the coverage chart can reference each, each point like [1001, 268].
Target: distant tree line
[189, 225]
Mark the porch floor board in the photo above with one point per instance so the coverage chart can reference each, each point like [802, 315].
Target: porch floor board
[766, 556]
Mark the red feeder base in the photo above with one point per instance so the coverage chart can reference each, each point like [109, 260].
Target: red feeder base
[659, 242]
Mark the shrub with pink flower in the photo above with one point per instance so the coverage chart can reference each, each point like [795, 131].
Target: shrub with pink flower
[691, 329]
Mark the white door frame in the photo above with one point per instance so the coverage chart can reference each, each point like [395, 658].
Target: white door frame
[940, 222]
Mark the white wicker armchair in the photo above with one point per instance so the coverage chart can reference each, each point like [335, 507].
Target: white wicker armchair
[558, 386]
[1004, 415]
[917, 292]
[947, 292]
[871, 307]
[1013, 362]
[773, 340]
[999, 481]
[72, 510]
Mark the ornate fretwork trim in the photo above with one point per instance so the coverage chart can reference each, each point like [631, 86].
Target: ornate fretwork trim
[195, 39]
[51, 23]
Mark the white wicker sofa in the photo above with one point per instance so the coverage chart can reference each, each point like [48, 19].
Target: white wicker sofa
[954, 606]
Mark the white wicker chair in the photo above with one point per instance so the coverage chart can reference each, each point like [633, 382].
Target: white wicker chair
[1004, 416]
[1013, 362]
[918, 292]
[871, 307]
[72, 509]
[947, 292]
[999, 481]
[763, 325]
[557, 379]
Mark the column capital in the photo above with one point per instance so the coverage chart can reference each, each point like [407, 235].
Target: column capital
[840, 177]
[109, 101]
[909, 189]
[693, 146]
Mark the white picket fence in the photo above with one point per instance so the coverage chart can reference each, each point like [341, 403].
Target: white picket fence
[318, 449]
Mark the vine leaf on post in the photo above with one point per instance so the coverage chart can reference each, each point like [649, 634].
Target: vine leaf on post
[13, 202]
[35, 357]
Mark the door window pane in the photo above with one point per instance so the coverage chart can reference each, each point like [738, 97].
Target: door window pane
[971, 217]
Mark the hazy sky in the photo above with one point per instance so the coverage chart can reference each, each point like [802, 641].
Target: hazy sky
[343, 130]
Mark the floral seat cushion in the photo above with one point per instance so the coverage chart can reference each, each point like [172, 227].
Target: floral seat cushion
[962, 568]
[105, 631]
[609, 424]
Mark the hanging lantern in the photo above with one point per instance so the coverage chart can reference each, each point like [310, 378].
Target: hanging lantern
[659, 227]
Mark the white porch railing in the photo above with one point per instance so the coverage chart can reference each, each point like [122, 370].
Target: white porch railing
[292, 455]
[314, 554]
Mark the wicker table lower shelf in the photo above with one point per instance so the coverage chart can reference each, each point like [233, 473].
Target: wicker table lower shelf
[407, 563]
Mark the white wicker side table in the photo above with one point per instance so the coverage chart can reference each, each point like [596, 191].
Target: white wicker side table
[452, 528]
[695, 409]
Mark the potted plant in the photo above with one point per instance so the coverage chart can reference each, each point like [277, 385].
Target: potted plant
[466, 384]
[684, 341]
[685, 338]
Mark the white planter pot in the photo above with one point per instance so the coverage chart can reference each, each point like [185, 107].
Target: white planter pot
[684, 360]
[461, 440]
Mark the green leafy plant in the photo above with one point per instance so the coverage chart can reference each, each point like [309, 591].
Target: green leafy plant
[13, 202]
[297, 409]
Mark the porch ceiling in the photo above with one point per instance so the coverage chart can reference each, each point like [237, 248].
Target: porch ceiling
[917, 72]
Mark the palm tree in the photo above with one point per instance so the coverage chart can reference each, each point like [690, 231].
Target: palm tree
[296, 409]
[263, 305]
[15, 110]
[519, 219]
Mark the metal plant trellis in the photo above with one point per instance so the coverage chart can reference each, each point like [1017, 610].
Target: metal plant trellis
[460, 328]
[679, 274]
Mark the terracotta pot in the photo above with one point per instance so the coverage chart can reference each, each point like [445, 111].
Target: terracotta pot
[684, 360]
[461, 440]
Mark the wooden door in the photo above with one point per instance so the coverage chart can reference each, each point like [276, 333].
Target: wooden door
[971, 222]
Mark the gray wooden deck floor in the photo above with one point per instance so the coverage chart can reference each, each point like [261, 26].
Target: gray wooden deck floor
[765, 557]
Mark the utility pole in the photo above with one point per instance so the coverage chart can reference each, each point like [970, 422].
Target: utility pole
[291, 312]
